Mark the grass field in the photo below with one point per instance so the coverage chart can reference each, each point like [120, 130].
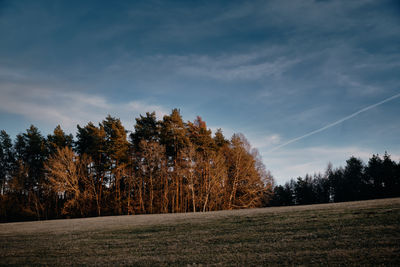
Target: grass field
[353, 233]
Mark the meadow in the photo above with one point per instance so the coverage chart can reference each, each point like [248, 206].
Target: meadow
[349, 233]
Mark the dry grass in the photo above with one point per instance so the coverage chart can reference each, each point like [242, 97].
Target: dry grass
[353, 233]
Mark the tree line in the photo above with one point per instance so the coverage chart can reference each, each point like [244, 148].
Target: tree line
[379, 178]
[162, 166]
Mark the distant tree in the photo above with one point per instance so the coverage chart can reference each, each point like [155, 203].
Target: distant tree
[32, 152]
[145, 137]
[338, 184]
[173, 134]
[30, 178]
[373, 178]
[7, 170]
[219, 139]
[200, 136]
[153, 178]
[189, 170]
[200, 152]
[265, 176]
[69, 176]
[353, 177]
[174, 138]
[58, 140]
[245, 185]
[7, 160]
[91, 141]
[380, 178]
[146, 128]
[115, 160]
[284, 195]
[217, 183]
[304, 193]
[390, 178]
[321, 188]
[397, 177]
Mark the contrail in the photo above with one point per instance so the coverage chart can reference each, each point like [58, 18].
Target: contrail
[335, 123]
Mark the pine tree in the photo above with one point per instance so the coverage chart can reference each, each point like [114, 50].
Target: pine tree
[174, 138]
[58, 140]
[116, 149]
[91, 142]
[146, 128]
[30, 178]
[7, 160]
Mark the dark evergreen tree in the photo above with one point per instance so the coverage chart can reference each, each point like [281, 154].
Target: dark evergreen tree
[58, 140]
[283, 195]
[373, 178]
[200, 136]
[390, 178]
[219, 139]
[7, 160]
[174, 134]
[303, 190]
[29, 183]
[321, 188]
[146, 128]
[91, 142]
[175, 138]
[32, 153]
[116, 149]
[353, 178]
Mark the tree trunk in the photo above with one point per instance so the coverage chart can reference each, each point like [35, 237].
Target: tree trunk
[151, 193]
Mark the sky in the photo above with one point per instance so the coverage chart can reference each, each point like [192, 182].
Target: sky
[307, 82]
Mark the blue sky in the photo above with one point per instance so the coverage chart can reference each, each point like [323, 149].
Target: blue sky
[273, 70]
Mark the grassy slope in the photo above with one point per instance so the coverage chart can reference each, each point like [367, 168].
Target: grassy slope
[354, 233]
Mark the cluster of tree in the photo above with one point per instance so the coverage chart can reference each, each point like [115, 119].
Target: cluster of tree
[380, 178]
[162, 166]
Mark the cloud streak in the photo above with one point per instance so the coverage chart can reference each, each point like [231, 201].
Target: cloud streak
[335, 123]
[49, 106]
[237, 68]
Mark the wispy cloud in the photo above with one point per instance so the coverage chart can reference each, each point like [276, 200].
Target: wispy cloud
[361, 88]
[239, 71]
[253, 64]
[335, 123]
[265, 141]
[143, 107]
[49, 106]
